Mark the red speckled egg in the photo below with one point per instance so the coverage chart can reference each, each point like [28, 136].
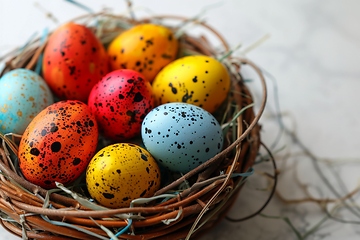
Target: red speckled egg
[120, 102]
[58, 144]
[74, 60]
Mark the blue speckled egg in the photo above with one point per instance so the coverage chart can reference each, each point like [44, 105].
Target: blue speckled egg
[181, 136]
[23, 94]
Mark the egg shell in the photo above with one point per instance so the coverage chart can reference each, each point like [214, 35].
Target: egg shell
[181, 136]
[120, 101]
[74, 60]
[58, 144]
[199, 80]
[121, 172]
[146, 48]
[23, 94]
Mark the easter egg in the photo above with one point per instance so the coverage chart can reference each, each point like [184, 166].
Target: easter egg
[181, 136]
[58, 144]
[199, 80]
[120, 102]
[121, 172]
[23, 94]
[146, 48]
[74, 60]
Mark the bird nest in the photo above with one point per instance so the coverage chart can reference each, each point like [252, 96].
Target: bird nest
[183, 208]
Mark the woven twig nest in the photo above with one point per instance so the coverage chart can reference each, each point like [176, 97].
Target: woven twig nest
[32, 212]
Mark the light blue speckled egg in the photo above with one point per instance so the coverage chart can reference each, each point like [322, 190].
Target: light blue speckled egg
[23, 94]
[181, 136]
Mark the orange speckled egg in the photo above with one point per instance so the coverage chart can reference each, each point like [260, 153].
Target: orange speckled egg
[58, 144]
[145, 48]
[120, 173]
[199, 80]
[74, 60]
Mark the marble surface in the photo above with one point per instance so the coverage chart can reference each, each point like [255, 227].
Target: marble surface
[313, 54]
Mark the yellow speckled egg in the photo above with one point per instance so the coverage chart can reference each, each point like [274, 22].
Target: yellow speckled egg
[199, 80]
[145, 48]
[121, 172]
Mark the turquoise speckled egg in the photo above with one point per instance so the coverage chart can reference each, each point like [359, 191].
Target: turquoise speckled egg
[23, 94]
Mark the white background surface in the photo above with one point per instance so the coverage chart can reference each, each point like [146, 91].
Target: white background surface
[314, 54]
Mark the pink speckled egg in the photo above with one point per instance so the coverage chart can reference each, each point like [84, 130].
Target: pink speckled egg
[120, 102]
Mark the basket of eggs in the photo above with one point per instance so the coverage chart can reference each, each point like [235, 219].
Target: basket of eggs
[119, 128]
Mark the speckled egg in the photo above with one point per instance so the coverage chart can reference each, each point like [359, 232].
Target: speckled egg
[146, 48]
[120, 101]
[121, 172]
[23, 94]
[74, 60]
[58, 144]
[199, 80]
[181, 136]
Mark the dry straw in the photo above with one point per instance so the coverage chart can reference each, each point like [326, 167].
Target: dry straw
[181, 210]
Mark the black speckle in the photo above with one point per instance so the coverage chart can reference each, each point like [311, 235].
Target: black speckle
[118, 171]
[166, 56]
[108, 195]
[143, 193]
[138, 63]
[91, 123]
[131, 114]
[72, 70]
[121, 96]
[207, 150]
[149, 42]
[144, 157]
[187, 96]
[147, 130]
[173, 89]
[55, 146]
[76, 161]
[147, 170]
[125, 199]
[138, 97]
[195, 79]
[35, 152]
[54, 129]
[43, 132]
